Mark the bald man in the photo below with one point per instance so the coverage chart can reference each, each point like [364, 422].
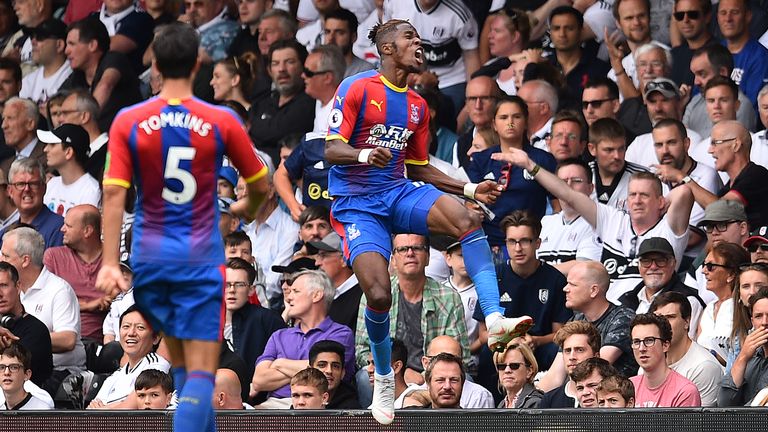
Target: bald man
[472, 395]
[482, 93]
[78, 262]
[748, 182]
[226, 392]
[585, 295]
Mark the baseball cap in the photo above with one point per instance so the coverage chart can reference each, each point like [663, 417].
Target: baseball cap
[50, 29]
[655, 245]
[760, 234]
[296, 265]
[224, 204]
[724, 211]
[665, 86]
[329, 243]
[229, 174]
[69, 135]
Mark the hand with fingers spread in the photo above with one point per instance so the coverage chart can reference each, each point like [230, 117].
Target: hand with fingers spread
[516, 157]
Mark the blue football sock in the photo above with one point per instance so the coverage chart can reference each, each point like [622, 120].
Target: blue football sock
[478, 261]
[377, 324]
[179, 375]
[194, 409]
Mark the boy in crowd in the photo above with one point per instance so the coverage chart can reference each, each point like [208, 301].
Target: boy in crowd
[154, 389]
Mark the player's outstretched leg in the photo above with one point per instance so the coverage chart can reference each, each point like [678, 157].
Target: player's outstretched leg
[479, 263]
[371, 271]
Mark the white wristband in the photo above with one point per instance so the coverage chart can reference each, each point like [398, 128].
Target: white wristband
[362, 157]
[469, 190]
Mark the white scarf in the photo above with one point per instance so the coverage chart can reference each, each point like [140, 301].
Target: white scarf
[112, 22]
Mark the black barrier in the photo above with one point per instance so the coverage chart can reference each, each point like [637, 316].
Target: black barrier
[645, 420]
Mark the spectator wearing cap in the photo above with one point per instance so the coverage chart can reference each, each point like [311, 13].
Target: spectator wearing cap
[662, 99]
[66, 150]
[48, 43]
[287, 350]
[273, 235]
[329, 258]
[20, 117]
[78, 262]
[707, 62]
[657, 268]
[757, 245]
[27, 188]
[287, 272]
[724, 221]
[9, 214]
[227, 182]
[129, 28]
[228, 223]
[747, 181]
[247, 327]
[78, 106]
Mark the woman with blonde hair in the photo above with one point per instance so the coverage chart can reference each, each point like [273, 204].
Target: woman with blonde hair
[517, 367]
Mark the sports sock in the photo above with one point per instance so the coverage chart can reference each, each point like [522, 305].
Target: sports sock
[479, 264]
[194, 409]
[377, 323]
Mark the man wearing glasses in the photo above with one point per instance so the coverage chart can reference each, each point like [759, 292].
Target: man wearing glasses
[26, 189]
[528, 286]
[416, 299]
[566, 237]
[730, 148]
[323, 71]
[657, 268]
[659, 385]
[691, 19]
[15, 370]
[757, 245]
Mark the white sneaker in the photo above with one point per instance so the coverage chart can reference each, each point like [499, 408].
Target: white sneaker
[383, 406]
[504, 330]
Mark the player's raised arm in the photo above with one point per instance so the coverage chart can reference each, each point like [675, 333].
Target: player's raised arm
[337, 152]
[582, 203]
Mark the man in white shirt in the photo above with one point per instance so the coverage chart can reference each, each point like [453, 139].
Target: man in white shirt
[48, 298]
[48, 42]
[66, 150]
[759, 152]
[15, 371]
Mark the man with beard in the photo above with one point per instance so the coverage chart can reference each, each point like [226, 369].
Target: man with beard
[340, 29]
[285, 111]
[445, 378]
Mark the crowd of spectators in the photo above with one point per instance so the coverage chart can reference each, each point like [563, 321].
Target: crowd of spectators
[629, 137]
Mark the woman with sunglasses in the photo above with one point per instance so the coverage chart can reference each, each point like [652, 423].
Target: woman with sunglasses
[519, 192]
[233, 77]
[720, 270]
[752, 277]
[517, 367]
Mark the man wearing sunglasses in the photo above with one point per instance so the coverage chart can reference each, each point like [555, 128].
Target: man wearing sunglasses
[757, 245]
[323, 71]
[691, 19]
[659, 385]
[657, 268]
